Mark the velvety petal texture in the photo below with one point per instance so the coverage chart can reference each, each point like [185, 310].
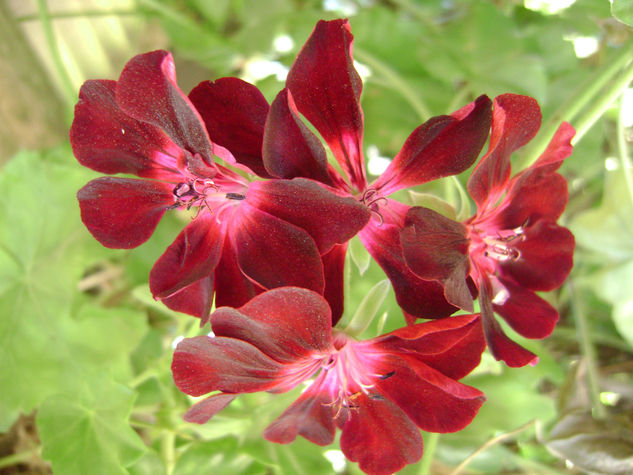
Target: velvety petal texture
[416, 296]
[436, 248]
[107, 140]
[328, 218]
[123, 212]
[192, 256]
[290, 149]
[234, 113]
[443, 146]
[516, 119]
[379, 392]
[326, 89]
[380, 437]
[260, 239]
[147, 91]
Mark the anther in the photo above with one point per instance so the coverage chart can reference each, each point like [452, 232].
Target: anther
[235, 196]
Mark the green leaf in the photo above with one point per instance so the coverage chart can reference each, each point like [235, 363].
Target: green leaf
[603, 446]
[86, 430]
[608, 229]
[368, 308]
[220, 457]
[359, 255]
[622, 10]
[433, 202]
[608, 232]
[44, 249]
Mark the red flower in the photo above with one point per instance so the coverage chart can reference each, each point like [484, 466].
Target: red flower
[324, 87]
[376, 391]
[512, 246]
[143, 124]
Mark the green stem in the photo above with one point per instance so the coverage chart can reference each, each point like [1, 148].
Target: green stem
[429, 451]
[623, 152]
[585, 94]
[66, 83]
[396, 82]
[601, 105]
[167, 451]
[587, 350]
[20, 457]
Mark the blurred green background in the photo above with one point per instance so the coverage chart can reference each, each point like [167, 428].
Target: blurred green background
[85, 384]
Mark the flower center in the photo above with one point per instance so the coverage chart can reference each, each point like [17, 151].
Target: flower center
[350, 374]
[203, 193]
[499, 246]
[372, 199]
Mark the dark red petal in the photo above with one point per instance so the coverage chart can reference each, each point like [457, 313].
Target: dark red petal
[123, 212]
[501, 347]
[202, 411]
[195, 299]
[434, 402]
[533, 197]
[527, 313]
[546, 257]
[203, 364]
[147, 91]
[463, 356]
[330, 219]
[450, 345]
[232, 287]
[286, 324]
[538, 192]
[234, 113]
[417, 297]
[380, 437]
[326, 89]
[558, 149]
[109, 141]
[333, 267]
[309, 416]
[442, 146]
[274, 253]
[191, 257]
[436, 248]
[290, 149]
[515, 120]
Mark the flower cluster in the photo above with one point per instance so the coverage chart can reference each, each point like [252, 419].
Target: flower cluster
[271, 220]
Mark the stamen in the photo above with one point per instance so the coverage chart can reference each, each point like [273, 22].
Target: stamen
[235, 196]
[387, 376]
[373, 203]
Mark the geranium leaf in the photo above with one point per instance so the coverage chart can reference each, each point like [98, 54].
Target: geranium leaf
[43, 249]
[220, 457]
[603, 446]
[86, 430]
[623, 10]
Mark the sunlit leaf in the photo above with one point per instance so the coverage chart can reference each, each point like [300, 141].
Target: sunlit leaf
[623, 11]
[44, 248]
[86, 430]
